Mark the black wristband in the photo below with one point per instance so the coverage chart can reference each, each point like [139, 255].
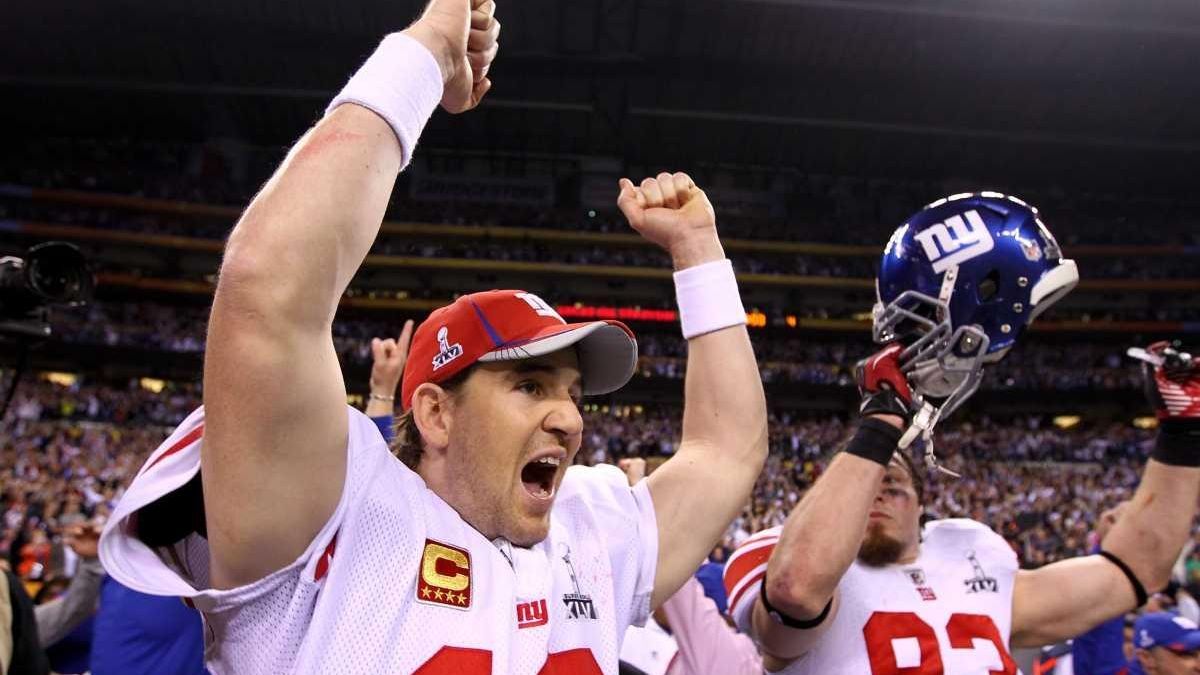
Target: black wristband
[787, 620]
[1178, 443]
[875, 440]
[1138, 589]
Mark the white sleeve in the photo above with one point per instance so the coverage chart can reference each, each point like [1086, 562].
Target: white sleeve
[744, 574]
[626, 520]
[182, 570]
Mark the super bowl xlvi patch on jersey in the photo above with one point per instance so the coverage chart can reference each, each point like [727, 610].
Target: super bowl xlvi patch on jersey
[445, 576]
[980, 581]
[446, 352]
[579, 606]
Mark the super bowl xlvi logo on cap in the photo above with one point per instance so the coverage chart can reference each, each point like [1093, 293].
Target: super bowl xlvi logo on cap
[1144, 640]
[446, 352]
[979, 581]
[579, 606]
[955, 241]
[540, 306]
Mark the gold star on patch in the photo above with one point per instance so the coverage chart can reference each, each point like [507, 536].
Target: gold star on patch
[462, 599]
[425, 592]
[439, 595]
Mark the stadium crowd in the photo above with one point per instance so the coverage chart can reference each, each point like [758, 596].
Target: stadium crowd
[846, 209]
[484, 247]
[801, 359]
[74, 445]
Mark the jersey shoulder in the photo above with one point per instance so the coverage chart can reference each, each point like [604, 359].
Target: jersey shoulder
[959, 533]
[746, 567]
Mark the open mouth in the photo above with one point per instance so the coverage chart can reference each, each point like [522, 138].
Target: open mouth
[538, 477]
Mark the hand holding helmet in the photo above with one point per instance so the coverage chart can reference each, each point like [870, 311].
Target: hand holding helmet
[884, 389]
[958, 284]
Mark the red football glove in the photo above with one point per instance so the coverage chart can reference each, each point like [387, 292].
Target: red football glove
[884, 389]
[1173, 388]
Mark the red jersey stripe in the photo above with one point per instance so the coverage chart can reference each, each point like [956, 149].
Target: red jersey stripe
[189, 438]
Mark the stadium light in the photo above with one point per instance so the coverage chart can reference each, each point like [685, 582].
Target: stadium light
[1065, 422]
[1146, 422]
[152, 384]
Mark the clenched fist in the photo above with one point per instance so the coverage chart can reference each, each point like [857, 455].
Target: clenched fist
[672, 212]
[634, 468]
[463, 36]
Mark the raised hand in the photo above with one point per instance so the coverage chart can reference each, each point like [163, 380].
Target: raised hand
[1172, 379]
[672, 212]
[634, 468]
[84, 540]
[463, 37]
[883, 387]
[388, 359]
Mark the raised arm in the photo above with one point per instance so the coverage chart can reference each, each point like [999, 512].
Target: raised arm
[1070, 597]
[700, 490]
[274, 450]
[822, 536]
[1062, 600]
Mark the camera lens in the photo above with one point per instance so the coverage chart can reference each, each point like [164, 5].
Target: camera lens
[58, 273]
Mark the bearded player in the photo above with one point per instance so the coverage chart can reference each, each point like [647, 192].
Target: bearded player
[278, 511]
[851, 583]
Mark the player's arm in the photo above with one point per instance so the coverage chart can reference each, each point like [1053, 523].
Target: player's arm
[700, 490]
[823, 533]
[274, 450]
[1067, 598]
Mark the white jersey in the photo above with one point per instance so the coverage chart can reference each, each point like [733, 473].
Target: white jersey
[397, 582]
[950, 611]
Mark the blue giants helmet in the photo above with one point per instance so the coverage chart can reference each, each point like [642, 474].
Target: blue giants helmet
[959, 283]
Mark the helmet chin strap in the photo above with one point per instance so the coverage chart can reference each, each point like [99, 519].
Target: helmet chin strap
[949, 278]
[922, 426]
[928, 414]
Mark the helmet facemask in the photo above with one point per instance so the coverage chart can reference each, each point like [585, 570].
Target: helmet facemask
[943, 364]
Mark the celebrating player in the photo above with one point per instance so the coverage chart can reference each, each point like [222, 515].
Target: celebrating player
[851, 583]
[279, 513]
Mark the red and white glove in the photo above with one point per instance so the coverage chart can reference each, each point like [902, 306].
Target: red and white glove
[883, 387]
[1173, 387]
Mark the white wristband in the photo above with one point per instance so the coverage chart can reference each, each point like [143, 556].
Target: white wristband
[402, 83]
[708, 298]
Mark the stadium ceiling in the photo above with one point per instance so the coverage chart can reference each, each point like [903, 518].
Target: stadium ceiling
[1068, 91]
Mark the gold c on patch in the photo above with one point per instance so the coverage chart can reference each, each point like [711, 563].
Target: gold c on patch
[445, 576]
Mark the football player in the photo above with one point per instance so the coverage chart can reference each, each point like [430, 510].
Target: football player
[469, 547]
[852, 583]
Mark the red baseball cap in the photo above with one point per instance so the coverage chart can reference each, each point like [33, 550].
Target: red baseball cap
[509, 326]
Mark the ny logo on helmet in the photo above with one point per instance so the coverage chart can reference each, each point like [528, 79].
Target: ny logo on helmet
[955, 241]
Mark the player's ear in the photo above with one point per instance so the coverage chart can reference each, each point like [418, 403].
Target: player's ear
[432, 412]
